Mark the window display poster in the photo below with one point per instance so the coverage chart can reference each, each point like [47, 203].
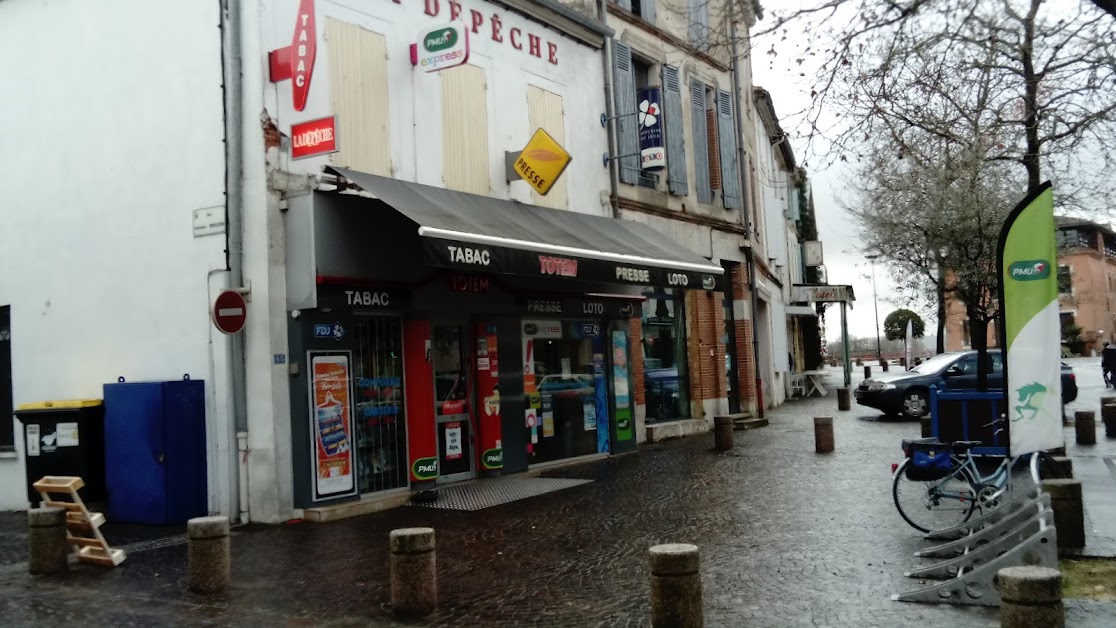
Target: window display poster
[600, 398]
[531, 419]
[589, 413]
[331, 423]
[454, 449]
[624, 428]
[548, 415]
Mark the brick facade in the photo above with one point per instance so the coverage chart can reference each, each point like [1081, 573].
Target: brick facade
[745, 359]
[635, 360]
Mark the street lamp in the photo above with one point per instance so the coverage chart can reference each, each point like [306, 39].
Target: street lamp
[875, 303]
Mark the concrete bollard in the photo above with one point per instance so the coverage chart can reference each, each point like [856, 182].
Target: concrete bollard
[843, 401]
[1085, 427]
[823, 434]
[46, 537]
[918, 361]
[209, 565]
[1030, 597]
[1055, 468]
[927, 425]
[867, 372]
[414, 576]
[1108, 415]
[903, 362]
[676, 586]
[1069, 513]
[883, 365]
[722, 432]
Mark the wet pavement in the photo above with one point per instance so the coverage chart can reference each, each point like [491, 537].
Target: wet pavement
[788, 538]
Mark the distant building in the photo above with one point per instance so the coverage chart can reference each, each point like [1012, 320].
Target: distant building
[1087, 280]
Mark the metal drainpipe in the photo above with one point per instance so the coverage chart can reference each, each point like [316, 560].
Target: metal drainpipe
[610, 108]
[745, 217]
[234, 238]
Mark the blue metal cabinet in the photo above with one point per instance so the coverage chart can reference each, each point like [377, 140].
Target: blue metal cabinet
[155, 471]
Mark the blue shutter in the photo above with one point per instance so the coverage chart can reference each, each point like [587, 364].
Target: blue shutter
[627, 124]
[726, 135]
[625, 4]
[699, 22]
[674, 131]
[701, 145]
[647, 9]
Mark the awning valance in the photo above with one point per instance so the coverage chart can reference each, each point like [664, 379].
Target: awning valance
[481, 234]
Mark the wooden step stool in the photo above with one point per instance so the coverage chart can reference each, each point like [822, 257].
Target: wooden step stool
[82, 527]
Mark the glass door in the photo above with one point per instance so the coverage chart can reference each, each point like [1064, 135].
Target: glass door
[452, 402]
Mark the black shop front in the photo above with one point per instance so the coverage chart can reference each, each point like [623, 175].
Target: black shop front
[437, 336]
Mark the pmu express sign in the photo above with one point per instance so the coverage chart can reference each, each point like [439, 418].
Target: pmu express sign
[542, 161]
[442, 47]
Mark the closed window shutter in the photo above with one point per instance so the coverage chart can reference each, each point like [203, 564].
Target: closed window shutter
[730, 180]
[627, 124]
[647, 10]
[625, 4]
[699, 22]
[701, 142]
[675, 135]
[714, 147]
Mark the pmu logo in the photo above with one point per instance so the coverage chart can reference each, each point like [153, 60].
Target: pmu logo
[436, 41]
[1029, 270]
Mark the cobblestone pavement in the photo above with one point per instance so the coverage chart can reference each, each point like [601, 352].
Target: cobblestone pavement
[788, 538]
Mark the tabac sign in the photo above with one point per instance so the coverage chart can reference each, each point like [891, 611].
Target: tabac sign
[296, 62]
[540, 163]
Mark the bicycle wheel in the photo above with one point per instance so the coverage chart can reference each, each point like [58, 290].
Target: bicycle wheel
[935, 505]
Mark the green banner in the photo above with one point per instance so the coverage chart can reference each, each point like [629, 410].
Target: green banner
[1031, 331]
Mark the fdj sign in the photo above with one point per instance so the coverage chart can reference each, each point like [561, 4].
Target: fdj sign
[1029, 270]
[442, 47]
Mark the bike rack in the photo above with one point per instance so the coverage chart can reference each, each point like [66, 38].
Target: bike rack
[990, 533]
[1023, 534]
[988, 518]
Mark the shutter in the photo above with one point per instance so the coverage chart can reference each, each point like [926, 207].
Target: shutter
[647, 10]
[699, 22]
[730, 172]
[627, 123]
[358, 85]
[701, 142]
[625, 4]
[673, 129]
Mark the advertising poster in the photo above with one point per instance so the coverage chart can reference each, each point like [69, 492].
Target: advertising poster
[548, 415]
[1031, 330]
[331, 424]
[600, 398]
[624, 428]
[651, 146]
[530, 418]
[453, 449]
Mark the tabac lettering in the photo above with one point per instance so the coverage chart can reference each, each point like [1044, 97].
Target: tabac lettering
[468, 255]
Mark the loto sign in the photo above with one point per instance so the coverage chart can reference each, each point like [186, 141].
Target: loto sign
[441, 47]
[316, 137]
[540, 163]
[296, 62]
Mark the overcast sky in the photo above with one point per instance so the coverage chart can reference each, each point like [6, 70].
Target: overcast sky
[844, 257]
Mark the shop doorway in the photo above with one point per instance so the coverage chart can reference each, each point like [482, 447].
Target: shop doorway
[453, 403]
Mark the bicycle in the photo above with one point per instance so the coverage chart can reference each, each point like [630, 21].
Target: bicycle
[945, 491]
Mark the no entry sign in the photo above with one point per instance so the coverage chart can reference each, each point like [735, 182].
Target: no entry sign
[229, 312]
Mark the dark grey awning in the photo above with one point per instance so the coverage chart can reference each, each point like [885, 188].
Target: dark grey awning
[479, 233]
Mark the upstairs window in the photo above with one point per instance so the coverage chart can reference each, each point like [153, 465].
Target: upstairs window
[645, 9]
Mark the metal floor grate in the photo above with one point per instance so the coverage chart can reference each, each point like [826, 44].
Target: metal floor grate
[487, 493]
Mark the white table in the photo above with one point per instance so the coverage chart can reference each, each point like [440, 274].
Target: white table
[815, 383]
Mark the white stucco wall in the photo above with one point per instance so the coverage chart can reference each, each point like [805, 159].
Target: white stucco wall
[415, 98]
[112, 125]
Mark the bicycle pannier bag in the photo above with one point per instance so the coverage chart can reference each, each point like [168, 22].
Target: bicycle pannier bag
[929, 462]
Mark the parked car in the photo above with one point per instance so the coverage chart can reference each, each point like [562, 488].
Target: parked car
[908, 393]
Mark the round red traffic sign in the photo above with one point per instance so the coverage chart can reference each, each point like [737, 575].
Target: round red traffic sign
[229, 312]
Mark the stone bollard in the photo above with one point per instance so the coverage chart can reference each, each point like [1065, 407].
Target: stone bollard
[1069, 514]
[1030, 597]
[918, 361]
[927, 425]
[676, 586]
[883, 365]
[823, 434]
[843, 401]
[859, 363]
[1056, 468]
[1108, 415]
[209, 565]
[1085, 426]
[414, 577]
[722, 432]
[46, 536]
[903, 362]
[867, 372]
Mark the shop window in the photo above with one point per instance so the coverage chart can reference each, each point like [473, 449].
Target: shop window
[381, 433]
[569, 399]
[665, 377]
[7, 436]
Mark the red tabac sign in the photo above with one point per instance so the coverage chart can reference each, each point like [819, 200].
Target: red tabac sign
[296, 62]
[316, 137]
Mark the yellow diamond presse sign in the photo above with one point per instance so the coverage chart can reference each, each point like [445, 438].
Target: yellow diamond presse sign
[542, 161]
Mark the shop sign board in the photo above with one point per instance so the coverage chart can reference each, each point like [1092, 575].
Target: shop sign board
[587, 307]
[230, 312]
[473, 257]
[362, 298]
[296, 62]
[314, 138]
[331, 424]
[651, 149]
[822, 294]
[441, 47]
[812, 251]
[542, 162]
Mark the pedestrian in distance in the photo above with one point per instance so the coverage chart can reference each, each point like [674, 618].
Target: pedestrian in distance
[1108, 363]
